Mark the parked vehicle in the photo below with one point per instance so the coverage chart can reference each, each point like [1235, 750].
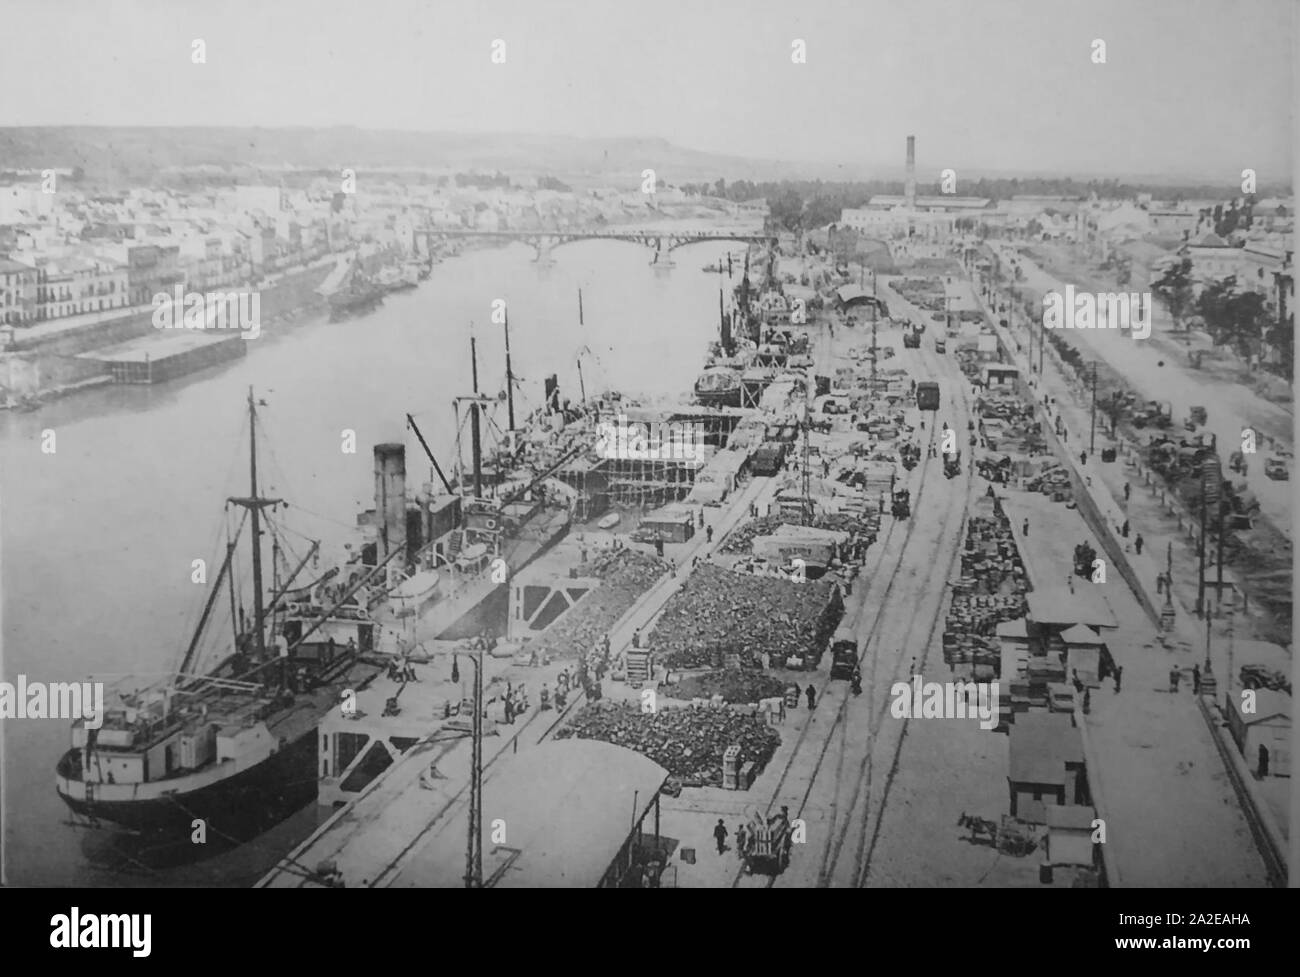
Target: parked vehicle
[1278, 466]
[844, 653]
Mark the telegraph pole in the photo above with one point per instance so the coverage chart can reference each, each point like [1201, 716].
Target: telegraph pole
[1092, 442]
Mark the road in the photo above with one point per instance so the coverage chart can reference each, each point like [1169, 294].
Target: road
[1231, 407]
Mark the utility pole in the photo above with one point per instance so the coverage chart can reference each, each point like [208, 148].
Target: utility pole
[1092, 442]
[474, 854]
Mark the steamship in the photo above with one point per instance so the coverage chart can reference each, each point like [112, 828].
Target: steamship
[232, 742]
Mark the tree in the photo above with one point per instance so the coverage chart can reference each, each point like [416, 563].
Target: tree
[1175, 287]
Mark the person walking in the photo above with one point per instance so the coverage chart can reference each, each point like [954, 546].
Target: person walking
[1123, 530]
[708, 534]
[720, 836]
[1137, 544]
[1119, 677]
[1196, 680]
[1127, 490]
[1025, 528]
[812, 697]
[1083, 457]
[741, 836]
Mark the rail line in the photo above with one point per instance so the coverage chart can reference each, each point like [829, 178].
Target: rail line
[838, 724]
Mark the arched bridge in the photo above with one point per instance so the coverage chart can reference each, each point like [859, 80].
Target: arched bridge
[662, 243]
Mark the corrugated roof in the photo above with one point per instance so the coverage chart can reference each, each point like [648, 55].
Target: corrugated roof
[1074, 816]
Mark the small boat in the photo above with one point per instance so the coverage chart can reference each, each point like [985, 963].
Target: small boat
[609, 521]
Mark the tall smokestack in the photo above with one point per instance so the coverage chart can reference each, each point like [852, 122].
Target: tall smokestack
[909, 188]
[390, 497]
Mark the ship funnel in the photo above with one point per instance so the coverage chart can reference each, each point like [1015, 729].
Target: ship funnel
[390, 498]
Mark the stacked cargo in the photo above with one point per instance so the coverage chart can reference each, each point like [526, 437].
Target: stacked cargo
[690, 743]
[991, 590]
[720, 611]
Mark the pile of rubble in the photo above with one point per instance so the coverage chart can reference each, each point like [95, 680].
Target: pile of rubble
[625, 575]
[720, 612]
[687, 742]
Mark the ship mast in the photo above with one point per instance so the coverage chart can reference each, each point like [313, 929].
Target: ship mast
[476, 442]
[510, 381]
[254, 504]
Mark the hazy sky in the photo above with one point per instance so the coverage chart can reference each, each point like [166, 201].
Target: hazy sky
[1190, 86]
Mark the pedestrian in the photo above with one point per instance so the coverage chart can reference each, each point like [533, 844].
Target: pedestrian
[510, 712]
[1083, 457]
[636, 639]
[1078, 682]
[1127, 489]
[812, 697]
[741, 836]
[1137, 543]
[708, 534]
[701, 518]
[1024, 530]
[1087, 701]
[1175, 676]
[720, 836]
[1123, 530]
[1196, 680]
[1263, 761]
[1119, 677]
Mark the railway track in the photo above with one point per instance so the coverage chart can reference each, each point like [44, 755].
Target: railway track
[877, 598]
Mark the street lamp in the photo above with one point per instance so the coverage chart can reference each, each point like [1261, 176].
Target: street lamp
[474, 841]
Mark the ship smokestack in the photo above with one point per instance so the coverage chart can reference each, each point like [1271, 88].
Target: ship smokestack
[909, 188]
[390, 498]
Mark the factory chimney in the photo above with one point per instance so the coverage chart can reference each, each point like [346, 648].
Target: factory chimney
[909, 188]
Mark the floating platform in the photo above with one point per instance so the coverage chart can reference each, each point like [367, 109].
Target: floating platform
[159, 358]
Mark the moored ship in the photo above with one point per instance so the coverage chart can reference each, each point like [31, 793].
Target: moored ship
[232, 744]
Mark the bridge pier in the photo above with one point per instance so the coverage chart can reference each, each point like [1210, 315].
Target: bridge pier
[663, 259]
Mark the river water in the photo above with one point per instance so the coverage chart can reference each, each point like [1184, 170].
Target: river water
[97, 538]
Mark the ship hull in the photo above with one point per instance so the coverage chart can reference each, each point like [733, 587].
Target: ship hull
[240, 806]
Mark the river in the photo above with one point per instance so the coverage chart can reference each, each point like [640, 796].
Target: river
[97, 538]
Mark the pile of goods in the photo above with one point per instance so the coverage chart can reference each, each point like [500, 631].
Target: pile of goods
[861, 527]
[994, 468]
[1054, 482]
[924, 293]
[688, 743]
[722, 612]
[991, 590]
[735, 685]
[625, 575]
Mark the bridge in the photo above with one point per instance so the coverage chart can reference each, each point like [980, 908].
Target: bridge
[662, 243]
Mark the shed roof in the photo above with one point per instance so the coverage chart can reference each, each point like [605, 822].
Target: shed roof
[1073, 816]
[1268, 705]
[1058, 605]
[1041, 745]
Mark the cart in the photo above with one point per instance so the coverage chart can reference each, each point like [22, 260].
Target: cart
[902, 507]
[767, 845]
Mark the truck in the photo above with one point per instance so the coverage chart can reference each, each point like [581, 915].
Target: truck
[939, 345]
[844, 653]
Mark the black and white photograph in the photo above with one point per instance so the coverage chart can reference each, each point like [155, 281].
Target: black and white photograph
[571, 445]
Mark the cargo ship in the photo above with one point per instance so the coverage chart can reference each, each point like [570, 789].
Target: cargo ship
[232, 743]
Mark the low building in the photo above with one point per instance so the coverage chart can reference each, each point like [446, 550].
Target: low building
[1083, 654]
[1263, 736]
[1047, 765]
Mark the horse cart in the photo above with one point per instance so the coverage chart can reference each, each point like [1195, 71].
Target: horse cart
[766, 848]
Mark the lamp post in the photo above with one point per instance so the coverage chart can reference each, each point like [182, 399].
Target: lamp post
[474, 840]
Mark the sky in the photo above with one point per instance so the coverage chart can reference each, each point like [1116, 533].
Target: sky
[1200, 87]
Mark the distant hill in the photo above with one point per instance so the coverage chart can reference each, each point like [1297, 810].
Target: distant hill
[139, 155]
